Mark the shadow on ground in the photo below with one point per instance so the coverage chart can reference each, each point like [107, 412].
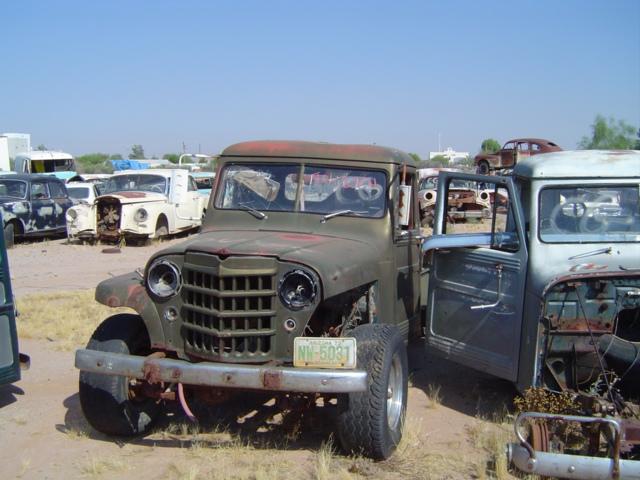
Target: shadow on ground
[461, 388]
[8, 394]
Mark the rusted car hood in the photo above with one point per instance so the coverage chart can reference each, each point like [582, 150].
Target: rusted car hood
[134, 197]
[325, 254]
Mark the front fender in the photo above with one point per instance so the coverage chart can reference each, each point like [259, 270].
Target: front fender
[128, 291]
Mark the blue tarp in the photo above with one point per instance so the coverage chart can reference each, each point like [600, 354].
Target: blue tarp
[129, 164]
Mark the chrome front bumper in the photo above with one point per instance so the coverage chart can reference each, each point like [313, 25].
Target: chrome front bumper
[257, 377]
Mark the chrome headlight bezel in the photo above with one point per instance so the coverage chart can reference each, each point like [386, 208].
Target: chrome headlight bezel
[297, 289]
[163, 279]
[141, 215]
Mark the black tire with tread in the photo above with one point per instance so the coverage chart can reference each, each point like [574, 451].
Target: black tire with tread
[362, 424]
[105, 399]
[484, 168]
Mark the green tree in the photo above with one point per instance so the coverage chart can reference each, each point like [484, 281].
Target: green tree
[438, 161]
[172, 157]
[115, 156]
[490, 145]
[610, 134]
[94, 163]
[41, 147]
[137, 152]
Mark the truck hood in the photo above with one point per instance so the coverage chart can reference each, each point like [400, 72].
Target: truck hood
[134, 197]
[342, 263]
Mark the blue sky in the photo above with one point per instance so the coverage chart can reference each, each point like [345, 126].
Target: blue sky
[91, 76]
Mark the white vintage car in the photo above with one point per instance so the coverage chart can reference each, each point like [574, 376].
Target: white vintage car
[139, 205]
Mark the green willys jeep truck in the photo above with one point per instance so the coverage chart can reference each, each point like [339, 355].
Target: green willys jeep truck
[305, 280]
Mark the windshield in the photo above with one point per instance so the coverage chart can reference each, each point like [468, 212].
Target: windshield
[590, 214]
[431, 183]
[136, 182]
[303, 188]
[13, 188]
[79, 193]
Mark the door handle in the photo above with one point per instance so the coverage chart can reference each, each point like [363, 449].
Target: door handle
[498, 292]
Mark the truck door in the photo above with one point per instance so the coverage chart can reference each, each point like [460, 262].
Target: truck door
[407, 254]
[185, 197]
[9, 356]
[477, 270]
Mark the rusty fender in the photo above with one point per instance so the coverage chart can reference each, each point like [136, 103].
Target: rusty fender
[256, 377]
[128, 291]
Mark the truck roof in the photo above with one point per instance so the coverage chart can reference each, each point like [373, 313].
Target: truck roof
[45, 155]
[318, 150]
[580, 164]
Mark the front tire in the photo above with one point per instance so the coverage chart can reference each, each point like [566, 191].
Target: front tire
[108, 401]
[484, 168]
[371, 422]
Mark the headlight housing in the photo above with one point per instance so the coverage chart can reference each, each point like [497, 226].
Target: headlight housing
[164, 279]
[141, 215]
[71, 215]
[297, 289]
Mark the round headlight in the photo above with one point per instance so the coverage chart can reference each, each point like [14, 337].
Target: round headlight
[141, 215]
[163, 279]
[428, 195]
[71, 214]
[297, 289]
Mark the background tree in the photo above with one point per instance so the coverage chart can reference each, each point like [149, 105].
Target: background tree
[490, 145]
[438, 161]
[137, 152]
[41, 147]
[94, 163]
[610, 134]
[115, 156]
[172, 157]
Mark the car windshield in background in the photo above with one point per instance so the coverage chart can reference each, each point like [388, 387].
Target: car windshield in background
[308, 189]
[136, 182]
[78, 193]
[590, 214]
[431, 183]
[13, 188]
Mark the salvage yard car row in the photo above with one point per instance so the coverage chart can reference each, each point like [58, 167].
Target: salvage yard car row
[134, 205]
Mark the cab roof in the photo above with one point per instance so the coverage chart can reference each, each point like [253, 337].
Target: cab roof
[318, 150]
[45, 155]
[580, 164]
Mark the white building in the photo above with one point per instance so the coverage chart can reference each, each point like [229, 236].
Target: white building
[453, 156]
[17, 143]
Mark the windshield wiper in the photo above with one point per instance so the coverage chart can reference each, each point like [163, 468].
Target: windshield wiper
[256, 213]
[589, 254]
[335, 214]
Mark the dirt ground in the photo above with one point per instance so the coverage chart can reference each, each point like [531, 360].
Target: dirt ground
[451, 427]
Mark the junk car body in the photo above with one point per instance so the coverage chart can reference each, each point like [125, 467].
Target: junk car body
[466, 200]
[303, 282]
[59, 164]
[32, 205]
[82, 192]
[512, 152]
[549, 297]
[139, 205]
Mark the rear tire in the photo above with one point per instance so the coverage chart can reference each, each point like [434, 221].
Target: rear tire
[106, 400]
[9, 235]
[371, 422]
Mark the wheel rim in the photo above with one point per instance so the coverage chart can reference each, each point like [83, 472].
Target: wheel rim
[395, 393]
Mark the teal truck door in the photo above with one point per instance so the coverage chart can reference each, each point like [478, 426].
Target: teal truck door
[9, 356]
[477, 261]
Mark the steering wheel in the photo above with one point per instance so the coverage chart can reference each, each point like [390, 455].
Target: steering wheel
[369, 192]
[156, 188]
[564, 216]
[346, 194]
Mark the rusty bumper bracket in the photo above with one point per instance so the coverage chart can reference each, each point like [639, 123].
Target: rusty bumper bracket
[258, 377]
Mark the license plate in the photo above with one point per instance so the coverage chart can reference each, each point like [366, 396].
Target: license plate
[324, 352]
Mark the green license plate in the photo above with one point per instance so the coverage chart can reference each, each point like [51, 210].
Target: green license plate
[324, 352]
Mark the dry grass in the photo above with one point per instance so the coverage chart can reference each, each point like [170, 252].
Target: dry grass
[97, 466]
[66, 318]
[433, 395]
[492, 438]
